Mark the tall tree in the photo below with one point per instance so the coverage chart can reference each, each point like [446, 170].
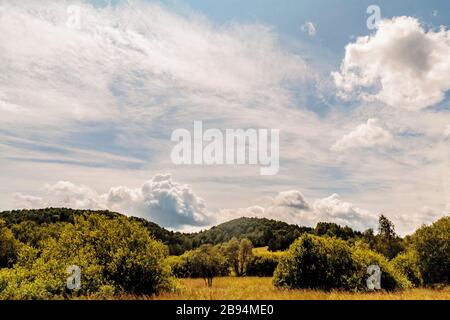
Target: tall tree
[387, 241]
[245, 255]
[238, 254]
[207, 262]
[8, 246]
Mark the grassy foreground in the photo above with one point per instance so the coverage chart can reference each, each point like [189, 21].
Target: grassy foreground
[252, 288]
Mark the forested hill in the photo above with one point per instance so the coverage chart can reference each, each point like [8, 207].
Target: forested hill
[262, 232]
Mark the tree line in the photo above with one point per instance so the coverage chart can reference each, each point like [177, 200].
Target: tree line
[122, 255]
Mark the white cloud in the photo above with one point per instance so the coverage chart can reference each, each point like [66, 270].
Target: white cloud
[27, 201]
[424, 216]
[366, 135]
[310, 28]
[291, 207]
[333, 209]
[402, 65]
[293, 199]
[67, 194]
[160, 200]
[133, 64]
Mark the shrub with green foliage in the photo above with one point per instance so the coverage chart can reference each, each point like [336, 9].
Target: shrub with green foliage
[263, 264]
[325, 263]
[314, 262]
[391, 278]
[110, 252]
[180, 265]
[407, 264]
[432, 245]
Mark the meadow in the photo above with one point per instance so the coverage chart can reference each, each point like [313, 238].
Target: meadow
[255, 288]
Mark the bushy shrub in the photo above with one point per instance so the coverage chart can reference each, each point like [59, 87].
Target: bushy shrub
[314, 262]
[263, 264]
[325, 263]
[391, 279]
[110, 252]
[180, 265]
[407, 264]
[432, 245]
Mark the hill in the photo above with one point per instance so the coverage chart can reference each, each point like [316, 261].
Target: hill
[276, 235]
[262, 232]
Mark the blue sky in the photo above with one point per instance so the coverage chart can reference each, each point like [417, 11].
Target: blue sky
[336, 20]
[88, 111]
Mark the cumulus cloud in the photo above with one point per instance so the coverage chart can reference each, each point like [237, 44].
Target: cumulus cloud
[291, 207]
[293, 199]
[160, 200]
[366, 135]
[402, 65]
[333, 209]
[309, 28]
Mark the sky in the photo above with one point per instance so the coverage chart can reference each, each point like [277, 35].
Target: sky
[91, 92]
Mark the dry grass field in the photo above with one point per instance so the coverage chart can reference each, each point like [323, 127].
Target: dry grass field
[252, 288]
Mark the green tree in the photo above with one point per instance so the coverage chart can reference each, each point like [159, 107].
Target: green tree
[335, 230]
[387, 242]
[230, 250]
[8, 246]
[245, 255]
[432, 247]
[238, 254]
[207, 262]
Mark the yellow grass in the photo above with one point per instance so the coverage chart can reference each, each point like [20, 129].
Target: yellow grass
[252, 288]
